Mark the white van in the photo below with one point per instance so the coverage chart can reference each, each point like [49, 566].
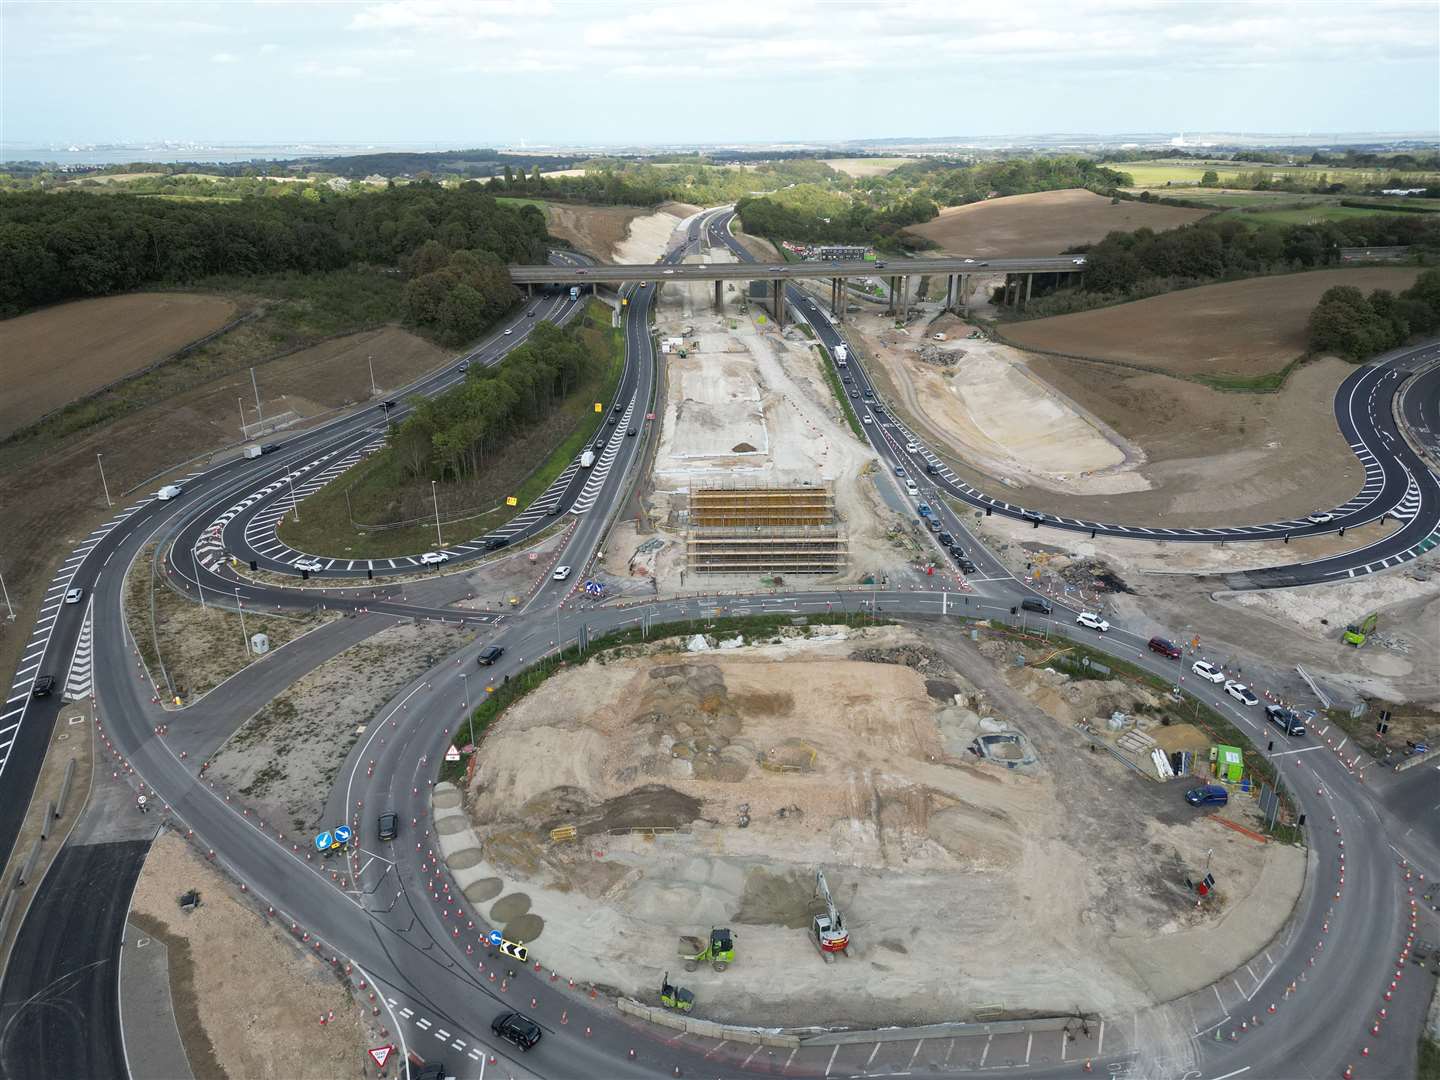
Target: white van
[168, 492]
[910, 488]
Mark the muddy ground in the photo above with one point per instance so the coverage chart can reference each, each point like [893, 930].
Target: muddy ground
[284, 759]
[247, 1001]
[962, 882]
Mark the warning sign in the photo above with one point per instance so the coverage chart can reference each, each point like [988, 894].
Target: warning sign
[381, 1054]
[452, 754]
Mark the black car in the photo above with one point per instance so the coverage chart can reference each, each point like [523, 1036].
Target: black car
[495, 543]
[389, 825]
[489, 655]
[388, 405]
[946, 539]
[632, 431]
[44, 685]
[613, 420]
[1284, 719]
[517, 1029]
[931, 470]
[966, 566]
[271, 447]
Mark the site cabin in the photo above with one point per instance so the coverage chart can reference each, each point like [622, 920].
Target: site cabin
[1229, 764]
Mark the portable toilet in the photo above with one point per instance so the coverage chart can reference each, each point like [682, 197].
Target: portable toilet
[259, 643]
[1229, 764]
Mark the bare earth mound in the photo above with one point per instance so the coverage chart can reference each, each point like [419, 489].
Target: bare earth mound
[62, 353]
[1239, 327]
[962, 881]
[1045, 223]
[595, 230]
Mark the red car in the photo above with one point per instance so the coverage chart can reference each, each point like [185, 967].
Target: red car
[1165, 647]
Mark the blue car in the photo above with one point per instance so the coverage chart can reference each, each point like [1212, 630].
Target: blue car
[1209, 795]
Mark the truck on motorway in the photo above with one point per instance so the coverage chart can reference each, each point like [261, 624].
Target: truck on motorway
[587, 459]
[574, 292]
[842, 355]
[253, 450]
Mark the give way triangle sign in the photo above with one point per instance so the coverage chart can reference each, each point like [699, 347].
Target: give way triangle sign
[381, 1054]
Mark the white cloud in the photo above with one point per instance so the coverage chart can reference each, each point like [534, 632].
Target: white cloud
[269, 47]
[476, 20]
[316, 69]
[223, 58]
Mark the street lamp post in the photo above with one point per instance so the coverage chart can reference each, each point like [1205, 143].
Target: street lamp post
[6, 593]
[465, 683]
[259, 415]
[374, 390]
[103, 484]
[295, 506]
[241, 608]
[435, 494]
[241, 402]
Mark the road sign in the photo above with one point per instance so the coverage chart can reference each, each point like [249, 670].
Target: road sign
[324, 842]
[452, 754]
[381, 1054]
[494, 938]
[342, 834]
[599, 407]
[511, 500]
[594, 588]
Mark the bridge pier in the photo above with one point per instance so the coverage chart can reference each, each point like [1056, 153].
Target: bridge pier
[1029, 284]
[777, 302]
[719, 295]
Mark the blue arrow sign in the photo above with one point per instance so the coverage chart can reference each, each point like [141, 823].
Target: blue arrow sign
[494, 938]
[594, 588]
[342, 834]
[323, 842]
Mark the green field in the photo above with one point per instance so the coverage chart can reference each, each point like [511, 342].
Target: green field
[509, 200]
[326, 527]
[1303, 215]
[1177, 173]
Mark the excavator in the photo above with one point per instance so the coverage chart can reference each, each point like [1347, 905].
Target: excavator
[1356, 633]
[828, 926]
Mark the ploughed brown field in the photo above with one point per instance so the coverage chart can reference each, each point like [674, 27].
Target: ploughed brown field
[68, 351]
[1045, 223]
[1236, 328]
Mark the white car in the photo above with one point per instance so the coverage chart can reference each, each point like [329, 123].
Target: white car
[865, 419]
[911, 489]
[1093, 621]
[1241, 693]
[433, 558]
[561, 573]
[314, 566]
[912, 448]
[1078, 262]
[74, 596]
[1319, 519]
[644, 284]
[969, 260]
[1208, 671]
[509, 332]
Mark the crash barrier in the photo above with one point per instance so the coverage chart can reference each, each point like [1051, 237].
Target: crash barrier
[1415, 759]
[707, 1029]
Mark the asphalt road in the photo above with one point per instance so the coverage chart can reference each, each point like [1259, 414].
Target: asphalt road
[59, 1010]
[1397, 482]
[405, 942]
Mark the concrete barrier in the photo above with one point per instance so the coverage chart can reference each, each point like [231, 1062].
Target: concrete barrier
[708, 1029]
[1415, 759]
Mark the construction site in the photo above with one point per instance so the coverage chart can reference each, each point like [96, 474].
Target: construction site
[875, 826]
[764, 530]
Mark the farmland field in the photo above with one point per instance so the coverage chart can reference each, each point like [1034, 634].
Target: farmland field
[1044, 223]
[1159, 173]
[862, 167]
[71, 350]
[1239, 329]
[1304, 215]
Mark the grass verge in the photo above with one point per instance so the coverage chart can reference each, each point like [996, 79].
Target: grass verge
[1427, 1066]
[504, 694]
[375, 488]
[1267, 383]
[838, 389]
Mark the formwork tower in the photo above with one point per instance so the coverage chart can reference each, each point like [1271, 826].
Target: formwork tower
[765, 529]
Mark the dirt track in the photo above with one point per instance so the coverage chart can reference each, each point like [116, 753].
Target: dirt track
[67, 351]
[1045, 223]
[1235, 328]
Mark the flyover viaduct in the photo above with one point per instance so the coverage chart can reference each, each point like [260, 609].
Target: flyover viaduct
[1020, 275]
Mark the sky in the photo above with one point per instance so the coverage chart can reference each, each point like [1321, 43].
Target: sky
[470, 73]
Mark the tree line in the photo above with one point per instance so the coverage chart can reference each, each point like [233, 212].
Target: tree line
[1350, 324]
[855, 222]
[451, 435]
[65, 245]
[1228, 248]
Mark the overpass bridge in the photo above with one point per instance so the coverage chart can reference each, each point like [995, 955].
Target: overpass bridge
[1020, 274]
